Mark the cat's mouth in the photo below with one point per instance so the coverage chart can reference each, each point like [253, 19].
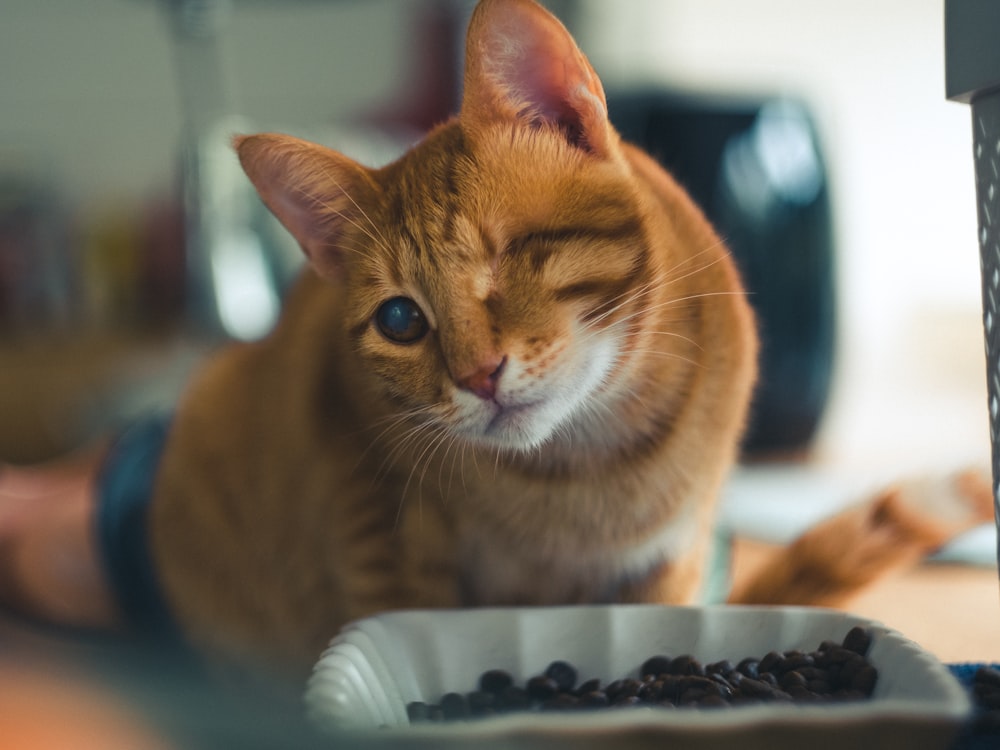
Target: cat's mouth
[510, 416]
[510, 425]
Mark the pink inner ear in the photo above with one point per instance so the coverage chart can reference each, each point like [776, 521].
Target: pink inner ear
[550, 85]
[534, 66]
[313, 192]
[569, 115]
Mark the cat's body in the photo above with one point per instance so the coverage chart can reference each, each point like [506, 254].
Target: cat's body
[516, 372]
[351, 512]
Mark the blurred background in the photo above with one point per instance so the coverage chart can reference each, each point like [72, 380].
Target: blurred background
[815, 134]
[112, 148]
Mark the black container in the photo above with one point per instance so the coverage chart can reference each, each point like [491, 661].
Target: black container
[756, 169]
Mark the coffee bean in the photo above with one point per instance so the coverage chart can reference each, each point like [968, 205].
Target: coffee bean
[728, 680]
[541, 688]
[629, 688]
[770, 661]
[614, 688]
[833, 673]
[792, 679]
[794, 661]
[749, 667]
[719, 667]
[594, 699]
[454, 706]
[561, 702]
[849, 670]
[495, 680]
[864, 680]
[685, 665]
[655, 665]
[697, 682]
[481, 703]
[769, 678]
[650, 692]
[820, 686]
[418, 711]
[717, 688]
[858, 640]
[563, 673]
[812, 673]
[752, 688]
[835, 655]
[513, 698]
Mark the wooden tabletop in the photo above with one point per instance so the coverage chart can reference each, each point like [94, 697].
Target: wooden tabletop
[951, 610]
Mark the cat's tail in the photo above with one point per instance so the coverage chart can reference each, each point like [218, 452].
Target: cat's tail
[844, 554]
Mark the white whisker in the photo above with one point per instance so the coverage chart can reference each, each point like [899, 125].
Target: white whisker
[374, 234]
[437, 434]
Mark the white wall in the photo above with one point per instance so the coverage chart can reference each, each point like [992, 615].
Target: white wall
[89, 92]
[910, 388]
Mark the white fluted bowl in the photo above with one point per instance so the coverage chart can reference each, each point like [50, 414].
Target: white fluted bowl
[375, 667]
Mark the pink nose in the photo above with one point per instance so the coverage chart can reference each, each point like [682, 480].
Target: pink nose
[483, 382]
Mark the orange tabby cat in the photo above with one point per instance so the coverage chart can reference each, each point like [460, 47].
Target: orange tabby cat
[516, 372]
[517, 375]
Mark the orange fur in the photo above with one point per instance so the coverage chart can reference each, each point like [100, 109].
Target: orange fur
[546, 417]
[327, 472]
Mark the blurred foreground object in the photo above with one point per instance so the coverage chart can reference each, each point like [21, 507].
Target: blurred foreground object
[973, 76]
[756, 168]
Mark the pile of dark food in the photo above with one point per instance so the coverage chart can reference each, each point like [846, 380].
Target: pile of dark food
[834, 672]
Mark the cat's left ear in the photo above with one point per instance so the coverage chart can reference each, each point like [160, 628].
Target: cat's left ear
[315, 192]
[522, 64]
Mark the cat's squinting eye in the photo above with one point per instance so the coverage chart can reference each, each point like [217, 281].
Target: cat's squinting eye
[401, 320]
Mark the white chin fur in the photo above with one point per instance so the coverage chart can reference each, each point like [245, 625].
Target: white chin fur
[535, 409]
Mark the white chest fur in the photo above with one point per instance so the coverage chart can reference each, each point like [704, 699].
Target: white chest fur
[498, 572]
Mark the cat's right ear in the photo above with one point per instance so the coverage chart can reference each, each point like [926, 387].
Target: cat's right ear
[521, 64]
[313, 191]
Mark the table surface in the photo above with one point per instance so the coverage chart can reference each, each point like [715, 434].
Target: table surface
[951, 610]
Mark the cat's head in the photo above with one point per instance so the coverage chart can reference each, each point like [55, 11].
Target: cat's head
[492, 273]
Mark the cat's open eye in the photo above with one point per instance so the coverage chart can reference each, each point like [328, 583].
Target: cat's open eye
[401, 320]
